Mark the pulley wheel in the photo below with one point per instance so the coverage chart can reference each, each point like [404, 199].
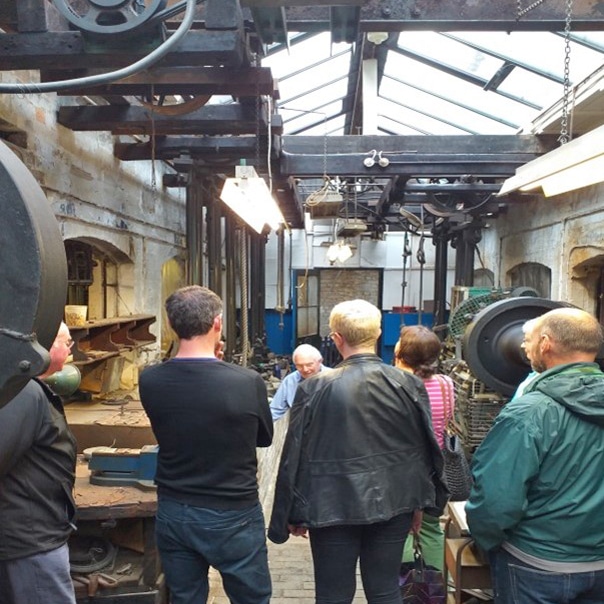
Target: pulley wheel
[492, 341]
[109, 16]
[33, 276]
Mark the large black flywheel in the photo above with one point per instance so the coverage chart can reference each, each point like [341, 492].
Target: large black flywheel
[33, 276]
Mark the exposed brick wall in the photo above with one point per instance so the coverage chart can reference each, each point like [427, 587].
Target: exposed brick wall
[338, 285]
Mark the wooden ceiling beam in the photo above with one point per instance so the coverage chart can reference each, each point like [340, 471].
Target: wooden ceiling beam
[250, 81]
[70, 50]
[211, 119]
[211, 148]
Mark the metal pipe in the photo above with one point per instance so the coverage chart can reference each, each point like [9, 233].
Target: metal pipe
[106, 78]
[280, 308]
[243, 286]
[230, 244]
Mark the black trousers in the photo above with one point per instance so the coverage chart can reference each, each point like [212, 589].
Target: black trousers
[377, 547]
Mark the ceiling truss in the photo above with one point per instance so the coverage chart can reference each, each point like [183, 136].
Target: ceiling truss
[219, 57]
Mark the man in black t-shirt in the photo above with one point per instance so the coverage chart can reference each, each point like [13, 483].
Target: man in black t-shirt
[208, 417]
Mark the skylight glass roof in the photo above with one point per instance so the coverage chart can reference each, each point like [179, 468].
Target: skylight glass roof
[432, 83]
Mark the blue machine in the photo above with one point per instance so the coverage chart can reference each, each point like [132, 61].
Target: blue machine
[121, 467]
[391, 327]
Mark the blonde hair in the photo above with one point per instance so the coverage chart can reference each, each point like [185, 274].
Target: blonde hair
[357, 321]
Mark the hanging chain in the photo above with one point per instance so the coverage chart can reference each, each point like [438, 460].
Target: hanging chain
[564, 133]
[520, 12]
[325, 147]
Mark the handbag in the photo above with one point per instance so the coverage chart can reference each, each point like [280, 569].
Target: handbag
[421, 585]
[456, 469]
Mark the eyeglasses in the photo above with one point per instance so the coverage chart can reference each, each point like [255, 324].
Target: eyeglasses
[69, 343]
[332, 334]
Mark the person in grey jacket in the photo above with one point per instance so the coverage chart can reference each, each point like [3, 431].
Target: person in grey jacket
[37, 474]
[359, 464]
[536, 505]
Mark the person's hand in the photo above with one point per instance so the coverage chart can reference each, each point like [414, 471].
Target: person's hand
[416, 523]
[219, 350]
[297, 531]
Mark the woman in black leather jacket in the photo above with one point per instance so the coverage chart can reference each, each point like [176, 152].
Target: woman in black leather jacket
[359, 464]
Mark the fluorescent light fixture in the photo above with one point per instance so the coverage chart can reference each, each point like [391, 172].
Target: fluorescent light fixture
[340, 252]
[249, 197]
[578, 163]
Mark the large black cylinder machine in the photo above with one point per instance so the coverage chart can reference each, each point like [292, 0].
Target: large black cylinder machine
[483, 353]
[33, 276]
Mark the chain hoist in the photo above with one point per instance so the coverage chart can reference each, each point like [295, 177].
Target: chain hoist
[564, 133]
[520, 12]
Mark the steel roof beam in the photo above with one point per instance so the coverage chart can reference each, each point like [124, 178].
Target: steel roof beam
[425, 156]
[454, 15]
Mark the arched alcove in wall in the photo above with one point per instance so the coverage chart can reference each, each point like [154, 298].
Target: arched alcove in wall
[173, 276]
[483, 277]
[100, 276]
[586, 287]
[531, 274]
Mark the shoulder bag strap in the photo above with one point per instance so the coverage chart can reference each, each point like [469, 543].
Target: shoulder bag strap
[446, 400]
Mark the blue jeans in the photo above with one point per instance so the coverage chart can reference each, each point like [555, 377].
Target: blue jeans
[516, 582]
[378, 547]
[191, 539]
[38, 579]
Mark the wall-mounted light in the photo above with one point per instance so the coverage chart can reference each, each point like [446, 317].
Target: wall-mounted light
[576, 164]
[340, 251]
[249, 197]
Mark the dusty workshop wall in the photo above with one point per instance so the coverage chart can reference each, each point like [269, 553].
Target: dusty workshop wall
[563, 233]
[308, 251]
[95, 196]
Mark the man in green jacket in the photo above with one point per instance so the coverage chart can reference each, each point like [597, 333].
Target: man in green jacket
[538, 497]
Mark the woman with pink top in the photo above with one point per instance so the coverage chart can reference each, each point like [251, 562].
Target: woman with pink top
[417, 351]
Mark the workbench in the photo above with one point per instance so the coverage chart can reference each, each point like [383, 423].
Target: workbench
[125, 517]
[464, 563]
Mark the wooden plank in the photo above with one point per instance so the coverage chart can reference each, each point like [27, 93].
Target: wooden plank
[233, 119]
[465, 569]
[218, 147]
[8, 14]
[250, 82]
[38, 16]
[69, 50]
[223, 14]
